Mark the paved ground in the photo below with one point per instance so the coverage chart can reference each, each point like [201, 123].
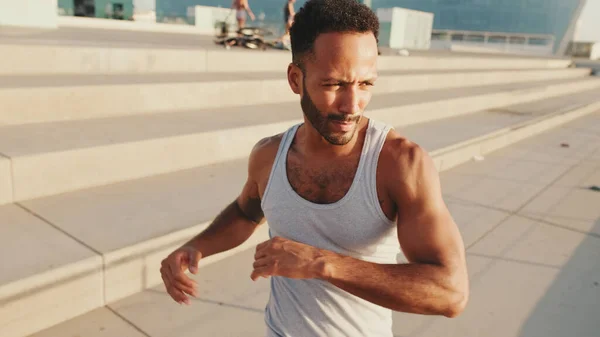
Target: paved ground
[531, 224]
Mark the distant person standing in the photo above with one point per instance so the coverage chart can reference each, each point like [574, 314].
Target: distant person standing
[242, 7]
[288, 15]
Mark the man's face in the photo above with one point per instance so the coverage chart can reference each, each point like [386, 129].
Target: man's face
[336, 86]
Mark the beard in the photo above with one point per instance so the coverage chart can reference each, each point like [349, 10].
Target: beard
[321, 122]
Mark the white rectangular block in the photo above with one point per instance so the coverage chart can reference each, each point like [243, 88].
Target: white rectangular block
[29, 13]
[405, 28]
[595, 52]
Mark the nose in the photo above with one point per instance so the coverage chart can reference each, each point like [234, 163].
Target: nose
[350, 100]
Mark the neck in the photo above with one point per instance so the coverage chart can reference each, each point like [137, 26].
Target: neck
[313, 143]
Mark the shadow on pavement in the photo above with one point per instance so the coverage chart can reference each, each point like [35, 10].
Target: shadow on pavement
[571, 305]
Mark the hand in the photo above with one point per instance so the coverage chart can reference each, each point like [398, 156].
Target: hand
[287, 258]
[252, 17]
[172, 270]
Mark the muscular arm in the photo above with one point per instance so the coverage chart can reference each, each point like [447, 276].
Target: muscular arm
[435, 281]
[236, 223]
[231, 228]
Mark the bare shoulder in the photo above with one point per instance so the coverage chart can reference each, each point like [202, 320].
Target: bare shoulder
[402, 156]
[406, 167]
[263, 155]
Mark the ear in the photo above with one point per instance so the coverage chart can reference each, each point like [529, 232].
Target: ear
[294, 75]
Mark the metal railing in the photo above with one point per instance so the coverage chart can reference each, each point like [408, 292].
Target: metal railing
[493, 37]
[499, 41]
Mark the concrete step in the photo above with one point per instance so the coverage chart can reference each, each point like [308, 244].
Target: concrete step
[93, 96]
[51, 278]
[510, 245]
[74, 37]
[131, 226]
[67, 58]
[385, 76]
[58, 157]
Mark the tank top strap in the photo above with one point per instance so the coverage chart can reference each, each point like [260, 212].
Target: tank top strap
[377, 135]
[278, 168]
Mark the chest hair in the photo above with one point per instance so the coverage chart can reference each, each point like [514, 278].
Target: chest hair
[321, 183]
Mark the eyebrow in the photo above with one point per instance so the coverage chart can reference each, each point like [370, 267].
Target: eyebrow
[339, 80]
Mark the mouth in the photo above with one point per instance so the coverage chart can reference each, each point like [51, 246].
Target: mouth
[343, 126]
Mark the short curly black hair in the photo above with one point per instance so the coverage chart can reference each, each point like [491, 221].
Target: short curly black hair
[326, 16]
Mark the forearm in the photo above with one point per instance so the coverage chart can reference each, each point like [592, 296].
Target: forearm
[413, 288]
[230, 229]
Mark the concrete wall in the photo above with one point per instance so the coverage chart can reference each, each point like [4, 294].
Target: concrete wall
[28, 13]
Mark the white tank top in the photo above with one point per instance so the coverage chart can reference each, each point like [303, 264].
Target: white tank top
[353, 226]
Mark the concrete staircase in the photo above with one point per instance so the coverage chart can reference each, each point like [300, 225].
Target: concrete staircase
[112, 157]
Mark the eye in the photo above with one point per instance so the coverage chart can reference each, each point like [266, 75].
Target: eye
[367, 83]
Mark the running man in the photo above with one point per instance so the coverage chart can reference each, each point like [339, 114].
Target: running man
[343, 195]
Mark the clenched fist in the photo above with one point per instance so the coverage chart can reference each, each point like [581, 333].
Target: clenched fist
[172, 270]
[287, 258]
